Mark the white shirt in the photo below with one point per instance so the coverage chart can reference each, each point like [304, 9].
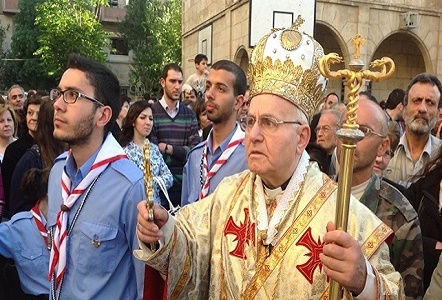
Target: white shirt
[402, 169]
[171, 112]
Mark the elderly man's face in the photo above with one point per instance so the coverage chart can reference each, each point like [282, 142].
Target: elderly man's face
[273, 154]
[16, 98]
[190, 96]
[421, 111]
[326, 132]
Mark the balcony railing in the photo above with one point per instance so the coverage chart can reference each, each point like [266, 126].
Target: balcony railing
[10, 6]
[112, 14]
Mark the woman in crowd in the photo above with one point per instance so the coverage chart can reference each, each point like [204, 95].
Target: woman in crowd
[136, 128]
[24, 239]
[201, 115]
[425, 195]
[41, 155]
[125, 104]
[17, 149]
[8, 128]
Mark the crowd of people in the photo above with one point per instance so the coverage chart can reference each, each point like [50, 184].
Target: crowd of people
[244, 175]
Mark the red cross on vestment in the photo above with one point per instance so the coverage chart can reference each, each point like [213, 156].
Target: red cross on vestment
[308, 268]
[245, 232]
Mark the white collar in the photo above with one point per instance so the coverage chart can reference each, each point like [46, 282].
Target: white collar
[289, 195]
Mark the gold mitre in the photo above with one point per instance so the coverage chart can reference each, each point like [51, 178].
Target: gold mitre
[285, 63]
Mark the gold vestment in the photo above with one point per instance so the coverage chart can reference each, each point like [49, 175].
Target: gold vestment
[217, 251]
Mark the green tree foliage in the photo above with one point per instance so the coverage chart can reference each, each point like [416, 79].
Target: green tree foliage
[22, 66]
[68, 26]
[152, 29]
[4, 68]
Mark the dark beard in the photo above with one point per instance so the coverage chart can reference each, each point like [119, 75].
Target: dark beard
[82, 134]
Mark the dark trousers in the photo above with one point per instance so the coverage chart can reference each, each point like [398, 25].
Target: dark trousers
[174, 195]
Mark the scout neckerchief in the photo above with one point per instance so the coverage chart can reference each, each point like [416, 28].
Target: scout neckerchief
[36, 213]
[237, 138]
[109, 152]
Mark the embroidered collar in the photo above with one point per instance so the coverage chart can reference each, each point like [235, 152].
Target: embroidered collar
[289, 195]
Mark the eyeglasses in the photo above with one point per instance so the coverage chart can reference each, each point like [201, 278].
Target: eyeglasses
[367, 131]
[267, 124]
[324, 129]
[71, 96]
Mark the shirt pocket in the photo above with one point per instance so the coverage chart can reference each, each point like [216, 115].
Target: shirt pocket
[33, 261]
[98, 247]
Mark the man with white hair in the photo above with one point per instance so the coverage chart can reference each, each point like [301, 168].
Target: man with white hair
[266, 233]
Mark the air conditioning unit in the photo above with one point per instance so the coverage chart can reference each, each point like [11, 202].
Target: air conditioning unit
[113, 3]
[409, 20]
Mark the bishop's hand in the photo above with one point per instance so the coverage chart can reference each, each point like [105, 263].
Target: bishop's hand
[147, 231]
[343, 260]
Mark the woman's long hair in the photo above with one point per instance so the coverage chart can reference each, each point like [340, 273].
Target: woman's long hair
[49, 147]
[127, 129]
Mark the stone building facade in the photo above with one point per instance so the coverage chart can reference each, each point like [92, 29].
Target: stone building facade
[408, 31]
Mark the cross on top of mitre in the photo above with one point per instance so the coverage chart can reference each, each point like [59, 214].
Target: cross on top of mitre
[358, 41]
[298, 22]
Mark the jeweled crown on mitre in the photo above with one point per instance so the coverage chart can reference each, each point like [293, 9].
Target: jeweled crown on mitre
[285, 63]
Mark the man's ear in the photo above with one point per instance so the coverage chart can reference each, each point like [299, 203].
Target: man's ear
[304, 137]
[239, 100]
[162, 82]
[105, 114]
[383, 148]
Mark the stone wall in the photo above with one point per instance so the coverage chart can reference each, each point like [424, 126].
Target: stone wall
[414, 50]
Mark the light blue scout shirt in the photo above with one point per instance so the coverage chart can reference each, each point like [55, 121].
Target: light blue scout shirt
[21, 240]
[192, 170]
[100, 264]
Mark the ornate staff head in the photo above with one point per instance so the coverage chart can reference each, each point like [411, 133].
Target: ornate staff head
[350, 133]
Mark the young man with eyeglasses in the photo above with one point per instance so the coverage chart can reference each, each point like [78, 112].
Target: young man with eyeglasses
[222, 154]
[93, 191]
[266, 233]
[384, 200]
